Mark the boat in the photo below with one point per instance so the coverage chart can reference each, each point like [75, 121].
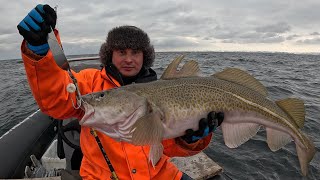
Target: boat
[46, 148]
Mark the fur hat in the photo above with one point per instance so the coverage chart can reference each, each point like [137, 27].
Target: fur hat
[127, 37]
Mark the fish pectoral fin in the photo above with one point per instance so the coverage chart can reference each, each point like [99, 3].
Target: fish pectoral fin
[295, 108]
[277, 139]
[148, 129]
[189, 69]
[243, 78]
[236, 134]
[155, 153]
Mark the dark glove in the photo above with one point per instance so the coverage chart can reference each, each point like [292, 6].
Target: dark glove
[206, 126]
[35, 28]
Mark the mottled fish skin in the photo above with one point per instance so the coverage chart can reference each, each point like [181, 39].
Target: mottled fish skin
[179, 103]
[183, 98]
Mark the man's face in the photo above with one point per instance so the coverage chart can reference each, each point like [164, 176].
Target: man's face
[128, 62]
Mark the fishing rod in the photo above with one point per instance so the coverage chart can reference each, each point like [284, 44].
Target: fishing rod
[106, 158]
[83, 59]
[63, 63]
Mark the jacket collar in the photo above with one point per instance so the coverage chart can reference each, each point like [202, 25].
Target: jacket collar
[145, 75]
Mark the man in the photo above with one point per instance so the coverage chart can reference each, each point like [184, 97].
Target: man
[127, 56]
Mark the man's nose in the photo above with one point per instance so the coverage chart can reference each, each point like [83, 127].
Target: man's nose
[129, 58]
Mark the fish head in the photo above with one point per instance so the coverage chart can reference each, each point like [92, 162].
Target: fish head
[113, 112]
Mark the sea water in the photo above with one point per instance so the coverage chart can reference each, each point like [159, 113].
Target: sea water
[284, 75]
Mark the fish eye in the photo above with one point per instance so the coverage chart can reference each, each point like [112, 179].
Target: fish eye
[102, 94]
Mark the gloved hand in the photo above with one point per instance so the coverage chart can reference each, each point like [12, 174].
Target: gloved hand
[35, 28]
[206, 126]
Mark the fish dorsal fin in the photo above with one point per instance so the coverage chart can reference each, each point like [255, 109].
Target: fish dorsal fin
[189, 69]
[243, 78]
[294, 108]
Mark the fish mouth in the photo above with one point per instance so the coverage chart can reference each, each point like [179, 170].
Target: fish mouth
[89, 111]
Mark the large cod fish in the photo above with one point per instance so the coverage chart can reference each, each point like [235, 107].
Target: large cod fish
[147, 113]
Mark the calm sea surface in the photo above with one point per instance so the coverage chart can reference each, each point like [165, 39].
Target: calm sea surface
[284, 75]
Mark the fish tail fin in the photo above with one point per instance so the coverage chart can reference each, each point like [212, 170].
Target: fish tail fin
[296, 110]
[305, 154]
[148, 129]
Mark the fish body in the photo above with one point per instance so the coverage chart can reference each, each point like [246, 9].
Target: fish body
[145, 114]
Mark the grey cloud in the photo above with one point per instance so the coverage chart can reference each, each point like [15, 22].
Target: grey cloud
[224, 32]
[166, 10]
[170, 23]
[269, 35]
[304, 13]
[229, 35]
[250, 35]
[174, 18]
[310, 41]
[170, 11]
[280, 27]
[260, 38]
[10, 50]
[191, 20]
[116, 12]
[170, 43]
[228, 41]
[224, 35]
[291, 37]
[4, 30]
[81, 48]
[207, 38]
[8, 39]
[275, 39]
[315, 34]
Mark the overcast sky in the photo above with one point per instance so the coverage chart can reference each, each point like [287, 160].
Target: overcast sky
[176, 25]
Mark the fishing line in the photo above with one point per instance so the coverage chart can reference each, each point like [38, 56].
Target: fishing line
[227, 175]
[78, 95]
